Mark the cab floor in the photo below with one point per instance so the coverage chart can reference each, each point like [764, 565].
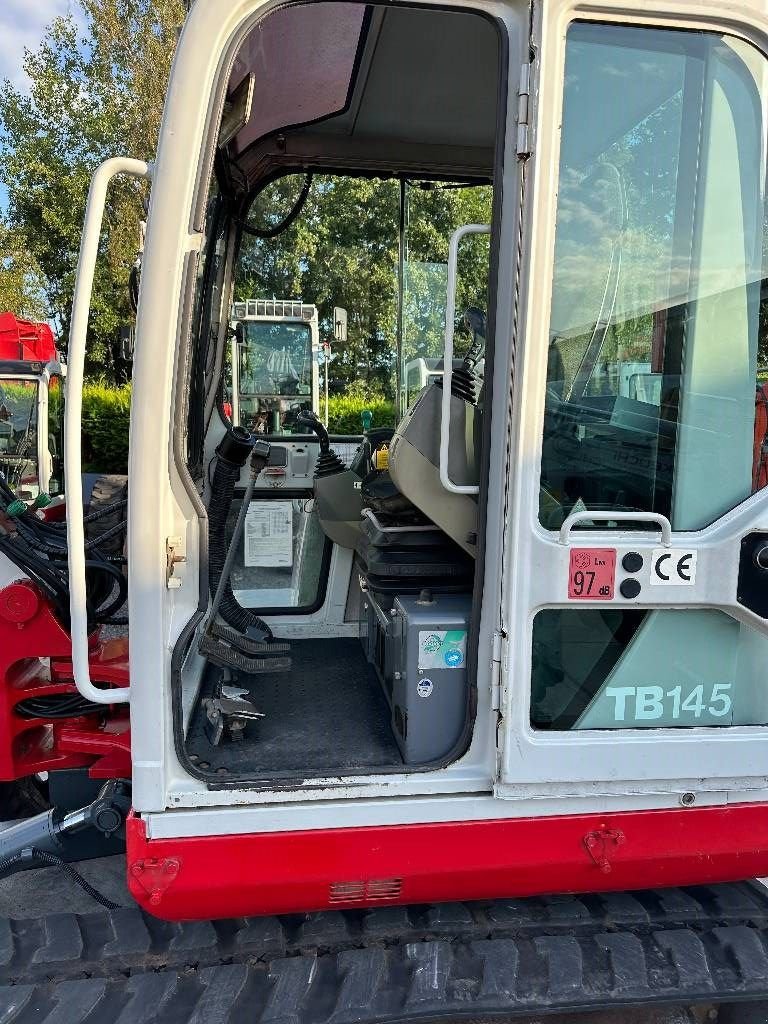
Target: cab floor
[326, 713]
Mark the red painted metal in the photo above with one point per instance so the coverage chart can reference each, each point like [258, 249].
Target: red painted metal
[35, 661]
[601, 846]
[154, 877]
[19, 603]
[110, 744]
[287, 872]
[21, 339]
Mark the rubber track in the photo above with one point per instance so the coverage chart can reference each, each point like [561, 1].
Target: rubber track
[511, 957]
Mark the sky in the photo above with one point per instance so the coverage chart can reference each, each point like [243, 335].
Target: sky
[22, 24]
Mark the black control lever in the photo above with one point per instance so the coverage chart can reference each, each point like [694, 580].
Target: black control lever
[306, 418]
[328, 462]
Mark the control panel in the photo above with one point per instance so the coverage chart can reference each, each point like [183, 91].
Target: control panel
[291, 465]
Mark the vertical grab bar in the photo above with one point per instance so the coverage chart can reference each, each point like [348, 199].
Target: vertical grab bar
[73, 409]
[450, 315]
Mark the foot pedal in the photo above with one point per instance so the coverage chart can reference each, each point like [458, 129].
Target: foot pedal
[222, 654]
[244, 643]
[226, 718]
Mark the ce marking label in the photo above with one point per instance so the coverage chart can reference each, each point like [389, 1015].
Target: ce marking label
[673, 567]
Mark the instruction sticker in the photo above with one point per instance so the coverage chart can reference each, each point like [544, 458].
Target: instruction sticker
[269, 534]
[592, 574]
[442, 648]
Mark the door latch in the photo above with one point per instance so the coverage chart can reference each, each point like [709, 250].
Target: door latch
[174, 555]
[602, 844]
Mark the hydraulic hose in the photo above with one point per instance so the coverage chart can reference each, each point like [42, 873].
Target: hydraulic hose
[39, 549]
[27, 857]
[231, 456]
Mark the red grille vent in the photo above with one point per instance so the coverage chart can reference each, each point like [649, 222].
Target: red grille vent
[362, 892]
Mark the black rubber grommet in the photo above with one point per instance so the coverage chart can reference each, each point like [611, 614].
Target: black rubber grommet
[632, 561]
[630, 588]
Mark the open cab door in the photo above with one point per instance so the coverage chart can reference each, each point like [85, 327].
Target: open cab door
[638, 569]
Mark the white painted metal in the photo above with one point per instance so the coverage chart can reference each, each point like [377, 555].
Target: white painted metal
[235, 357]
[207, 48]
[633, 762]
[585, 516]
[450, 316]
[613, 780]
[52, 369]
[73, 463]
[204, 818]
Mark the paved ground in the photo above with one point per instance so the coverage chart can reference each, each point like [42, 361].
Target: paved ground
[49, 891]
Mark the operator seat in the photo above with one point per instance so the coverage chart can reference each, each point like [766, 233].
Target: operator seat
[414, 455]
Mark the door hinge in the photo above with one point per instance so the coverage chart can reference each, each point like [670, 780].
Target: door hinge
[499, 640]
[524, 147]
[174, 555]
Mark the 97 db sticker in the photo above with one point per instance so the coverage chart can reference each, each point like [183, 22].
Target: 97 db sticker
[592, 574]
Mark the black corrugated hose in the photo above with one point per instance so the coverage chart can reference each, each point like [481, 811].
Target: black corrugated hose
[51, 860]
[232, 455]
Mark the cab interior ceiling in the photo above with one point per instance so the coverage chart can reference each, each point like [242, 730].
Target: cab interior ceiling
[382, 92]
[362, 100]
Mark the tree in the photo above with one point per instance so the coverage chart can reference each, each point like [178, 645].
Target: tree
[343, 250]
[89, 98]
[21, 283]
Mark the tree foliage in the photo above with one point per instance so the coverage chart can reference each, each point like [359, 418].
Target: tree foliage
[91, 96]
[21, 282]
[343, 251]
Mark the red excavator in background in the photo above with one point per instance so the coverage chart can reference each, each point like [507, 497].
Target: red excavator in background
[31, 409]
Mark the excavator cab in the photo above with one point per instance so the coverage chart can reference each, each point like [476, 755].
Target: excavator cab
[519, 623]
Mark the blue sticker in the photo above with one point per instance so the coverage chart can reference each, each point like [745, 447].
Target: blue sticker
[453, 657]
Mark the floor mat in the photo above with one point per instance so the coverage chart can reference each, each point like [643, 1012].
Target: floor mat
[327, 713]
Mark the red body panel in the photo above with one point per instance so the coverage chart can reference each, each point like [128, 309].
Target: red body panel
[29, 632]
[285, 872]
[23, 340]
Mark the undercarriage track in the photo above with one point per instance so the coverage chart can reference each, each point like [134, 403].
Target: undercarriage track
[701, 950]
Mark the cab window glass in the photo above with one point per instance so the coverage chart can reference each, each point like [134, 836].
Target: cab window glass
[18, 435]
[376, 247]
[656, 393]
[56, 434]
[656, 331]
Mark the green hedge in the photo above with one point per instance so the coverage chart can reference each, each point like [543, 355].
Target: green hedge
[344, 413]
[106, 411]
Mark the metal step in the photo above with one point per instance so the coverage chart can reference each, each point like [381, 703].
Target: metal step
[517, 958]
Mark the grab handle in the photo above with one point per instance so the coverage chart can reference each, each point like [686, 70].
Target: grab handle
[587, 515]
[73, 409]
[450, 315]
